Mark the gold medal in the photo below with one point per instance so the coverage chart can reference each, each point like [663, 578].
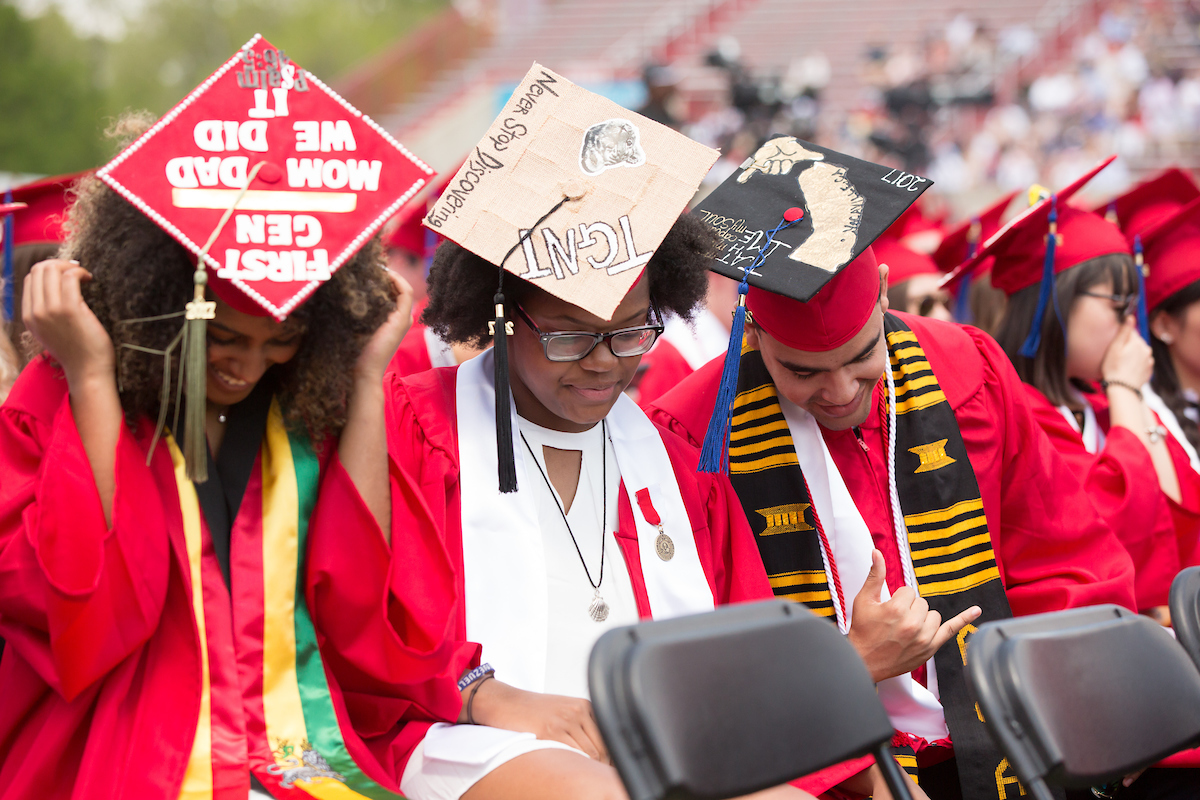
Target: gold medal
[664, 546]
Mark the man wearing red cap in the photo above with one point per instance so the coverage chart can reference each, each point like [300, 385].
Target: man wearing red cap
[823, 402]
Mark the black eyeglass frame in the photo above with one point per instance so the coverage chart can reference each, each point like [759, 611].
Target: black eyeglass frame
[596, 338]
[1128, 302]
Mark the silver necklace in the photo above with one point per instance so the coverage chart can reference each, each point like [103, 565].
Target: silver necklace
[598, 608]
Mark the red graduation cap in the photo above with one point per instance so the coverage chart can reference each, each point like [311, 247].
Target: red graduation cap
[963, 242]
[1048, 238]
[1171, 253]
[1150, 202]
[903, 261]
[1019, 248]
[319, 178]
[405, 231]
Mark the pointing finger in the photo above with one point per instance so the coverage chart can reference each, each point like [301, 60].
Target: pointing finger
[952, 627]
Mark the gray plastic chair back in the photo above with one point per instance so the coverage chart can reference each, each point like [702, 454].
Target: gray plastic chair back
[1079, 698]
[733, 701]
[1185, 611]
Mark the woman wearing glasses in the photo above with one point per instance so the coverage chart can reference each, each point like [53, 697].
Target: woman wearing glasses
[1070, 329]
[573, 436]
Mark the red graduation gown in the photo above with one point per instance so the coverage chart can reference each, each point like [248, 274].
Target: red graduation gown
[1052, 549]
[660, 371]
[1158, 533]
[102, 671]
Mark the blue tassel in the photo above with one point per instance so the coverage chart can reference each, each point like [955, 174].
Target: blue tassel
[8, 260]
[1048, 291]
[962, 303]
[716, 439]
[1143, 318]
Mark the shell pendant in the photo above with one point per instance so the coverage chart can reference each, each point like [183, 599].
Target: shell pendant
[598, 609]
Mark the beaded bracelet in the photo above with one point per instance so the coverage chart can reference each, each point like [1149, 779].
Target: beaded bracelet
[1135, 389]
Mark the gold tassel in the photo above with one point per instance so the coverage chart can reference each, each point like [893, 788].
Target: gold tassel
[194, 358]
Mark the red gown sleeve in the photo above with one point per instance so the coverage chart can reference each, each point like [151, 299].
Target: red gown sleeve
[76, 596]
[1121, 482]
[1054, 550]
[1186, 512]
[387, 615]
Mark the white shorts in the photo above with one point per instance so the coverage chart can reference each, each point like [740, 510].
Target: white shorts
[452, 758]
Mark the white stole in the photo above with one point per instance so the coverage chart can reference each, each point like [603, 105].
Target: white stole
[911, 707]
[503, 561]
[1169, 421]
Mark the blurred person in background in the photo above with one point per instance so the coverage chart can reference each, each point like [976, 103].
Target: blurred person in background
[1070, 330]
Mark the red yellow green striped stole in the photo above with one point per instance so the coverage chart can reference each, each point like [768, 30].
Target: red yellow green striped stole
[303, 750]
[946, 531]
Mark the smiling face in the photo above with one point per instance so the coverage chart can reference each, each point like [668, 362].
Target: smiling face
[571, 395]
[241, 348]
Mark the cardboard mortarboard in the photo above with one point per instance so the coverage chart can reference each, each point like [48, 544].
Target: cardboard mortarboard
[1171, 250]
[323, 178]
[572, 193]
[846, 203]
[625, 178]
[1150, 202]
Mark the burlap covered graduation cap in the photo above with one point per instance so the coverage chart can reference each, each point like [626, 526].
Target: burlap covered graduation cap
[1047, 238]
[1150, 202]
[319, 178]
[793, 219]
[572, 193]
[1171, 250]
[273, 181]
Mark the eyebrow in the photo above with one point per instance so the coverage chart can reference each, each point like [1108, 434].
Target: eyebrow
[860, 357]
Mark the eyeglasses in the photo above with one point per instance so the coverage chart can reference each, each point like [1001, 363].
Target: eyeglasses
[575, 345]
[1122, 303]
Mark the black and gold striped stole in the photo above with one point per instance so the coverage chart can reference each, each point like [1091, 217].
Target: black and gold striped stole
[948, 536]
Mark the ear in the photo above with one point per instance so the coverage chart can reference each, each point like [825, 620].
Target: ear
[752, 337]
[1165, 327]
[883, 287]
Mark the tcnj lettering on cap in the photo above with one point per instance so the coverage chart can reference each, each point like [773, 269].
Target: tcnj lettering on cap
[563, 254]
[280, 266]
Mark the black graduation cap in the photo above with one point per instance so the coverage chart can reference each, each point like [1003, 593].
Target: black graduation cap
[846, 203]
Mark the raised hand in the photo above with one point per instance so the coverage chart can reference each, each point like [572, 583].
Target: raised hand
[1128, 358]
[777, 157]
[378, 352]
[899, 635]
[54, 311]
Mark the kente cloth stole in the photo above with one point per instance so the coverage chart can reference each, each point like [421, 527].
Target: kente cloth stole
[302, 753]
[945, 542]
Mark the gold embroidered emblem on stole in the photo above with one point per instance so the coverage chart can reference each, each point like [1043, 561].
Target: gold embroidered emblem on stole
[933, 456]
[785, 519]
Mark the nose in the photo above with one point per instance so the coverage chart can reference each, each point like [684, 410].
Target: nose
[601, 359]
[840, 387]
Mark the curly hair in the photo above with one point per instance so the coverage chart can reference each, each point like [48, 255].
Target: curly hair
[139, 271]
[461, 284]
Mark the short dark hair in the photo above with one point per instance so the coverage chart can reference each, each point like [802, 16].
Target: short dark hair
[462, 285]
[1047, 371]
[1165, 381]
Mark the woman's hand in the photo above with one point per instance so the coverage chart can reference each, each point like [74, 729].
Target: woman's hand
[378, 352]
[1128, 359]
[54, 311]
[548, 716]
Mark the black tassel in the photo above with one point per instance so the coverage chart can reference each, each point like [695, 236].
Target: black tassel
[505, 459]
